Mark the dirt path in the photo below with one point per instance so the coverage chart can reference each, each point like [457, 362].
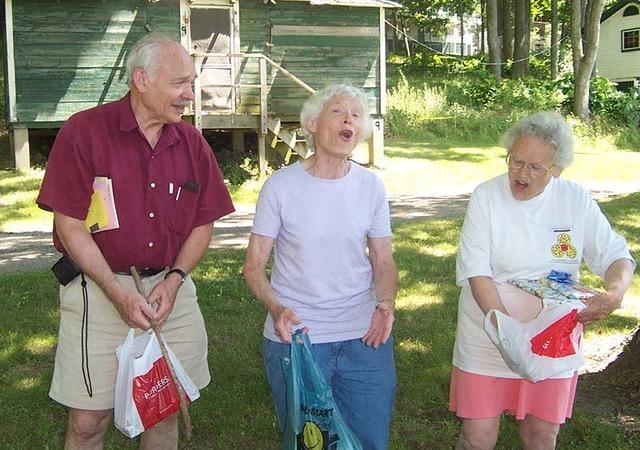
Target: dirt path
[33, 249]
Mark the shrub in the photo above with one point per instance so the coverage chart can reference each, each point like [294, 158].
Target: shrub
[237, 174]
[620, 108]
[475, 90]
[528, 94]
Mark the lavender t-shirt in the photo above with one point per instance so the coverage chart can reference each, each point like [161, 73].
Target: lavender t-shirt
[321, 269]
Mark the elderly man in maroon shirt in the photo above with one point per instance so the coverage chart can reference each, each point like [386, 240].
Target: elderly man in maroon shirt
[167, 191]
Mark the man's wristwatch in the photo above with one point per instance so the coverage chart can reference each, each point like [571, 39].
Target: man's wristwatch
[183, 275]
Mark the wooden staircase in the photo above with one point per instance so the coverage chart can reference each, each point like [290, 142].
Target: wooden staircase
[286, 140]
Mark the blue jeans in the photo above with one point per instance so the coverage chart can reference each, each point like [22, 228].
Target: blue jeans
[362, 379]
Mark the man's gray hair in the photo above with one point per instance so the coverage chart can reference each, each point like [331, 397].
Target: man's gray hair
[312, 108]
[146, 54]
[548, 126]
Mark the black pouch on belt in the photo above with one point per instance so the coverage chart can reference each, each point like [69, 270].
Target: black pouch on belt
[65, 270]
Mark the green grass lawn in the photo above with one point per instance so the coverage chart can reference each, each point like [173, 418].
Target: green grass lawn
[235, 411]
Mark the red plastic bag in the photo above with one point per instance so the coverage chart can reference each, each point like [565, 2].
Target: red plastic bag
[155, 395]
[556, 340]
[145, 392]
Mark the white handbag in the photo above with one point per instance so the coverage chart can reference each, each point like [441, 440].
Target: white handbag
[549, 346]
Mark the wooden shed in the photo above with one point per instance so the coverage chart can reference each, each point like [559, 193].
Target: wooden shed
[257, 61]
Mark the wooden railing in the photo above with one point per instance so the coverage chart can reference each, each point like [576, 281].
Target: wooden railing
[235, 85]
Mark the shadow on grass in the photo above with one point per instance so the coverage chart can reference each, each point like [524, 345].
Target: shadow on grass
[15, 212]
[29, 325]
[622, 208]
[12, 181]
[624, 213]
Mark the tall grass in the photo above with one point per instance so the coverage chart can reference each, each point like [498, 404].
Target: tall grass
[410, 106]
[436, 110]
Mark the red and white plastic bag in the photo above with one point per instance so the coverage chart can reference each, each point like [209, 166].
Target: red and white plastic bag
[145, 392]
[546, 347]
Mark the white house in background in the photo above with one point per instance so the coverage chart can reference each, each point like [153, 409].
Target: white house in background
[448, 43]
[619, 50]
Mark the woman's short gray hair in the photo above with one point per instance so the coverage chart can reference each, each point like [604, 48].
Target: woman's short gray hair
[548, 126]
[312, 108]
[146, 54]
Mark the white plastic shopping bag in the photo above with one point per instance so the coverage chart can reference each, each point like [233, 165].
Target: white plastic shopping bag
[548, 346]
[145, 392]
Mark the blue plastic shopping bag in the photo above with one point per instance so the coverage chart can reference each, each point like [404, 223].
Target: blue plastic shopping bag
[313, 420]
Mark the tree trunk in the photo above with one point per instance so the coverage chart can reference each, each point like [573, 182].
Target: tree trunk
[506, 27]
[493, 40]
[394, 33]
[618, 384]
[629, 359]
[522, 33]
[565, 29]
[555, 51]
[584, 51]
[461, 17]
[483, 25]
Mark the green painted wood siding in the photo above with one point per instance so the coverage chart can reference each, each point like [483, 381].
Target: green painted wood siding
[319, 44]
[69, 55]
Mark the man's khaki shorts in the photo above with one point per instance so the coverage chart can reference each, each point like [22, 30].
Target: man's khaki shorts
[184, 332]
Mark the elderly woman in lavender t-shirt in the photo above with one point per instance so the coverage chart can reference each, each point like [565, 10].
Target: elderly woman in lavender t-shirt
[327, 221]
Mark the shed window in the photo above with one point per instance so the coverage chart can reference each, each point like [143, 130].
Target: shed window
[631, 11]
[631, 40]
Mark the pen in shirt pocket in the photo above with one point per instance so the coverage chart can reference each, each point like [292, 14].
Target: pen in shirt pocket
[170, 188]
[178, 192]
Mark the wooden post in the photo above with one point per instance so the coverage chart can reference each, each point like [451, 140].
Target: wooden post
[19, 142]
[10, 82]
[406, 42]
[262, 153]
[376, 144]
[262, 135]
[382, 62]
[197, 91]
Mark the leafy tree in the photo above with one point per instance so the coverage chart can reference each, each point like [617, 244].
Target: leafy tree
[433, 15]
[426, 14]
[461, 8]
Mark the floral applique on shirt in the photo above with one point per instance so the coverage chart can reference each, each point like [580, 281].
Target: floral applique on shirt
[563, 247]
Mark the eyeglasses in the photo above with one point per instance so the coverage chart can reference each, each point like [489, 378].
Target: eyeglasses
[535, 169]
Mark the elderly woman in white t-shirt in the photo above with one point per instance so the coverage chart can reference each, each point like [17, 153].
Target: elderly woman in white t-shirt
[333, 270]
[513, 224]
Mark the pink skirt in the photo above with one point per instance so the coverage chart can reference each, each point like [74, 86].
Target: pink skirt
[473, 396]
